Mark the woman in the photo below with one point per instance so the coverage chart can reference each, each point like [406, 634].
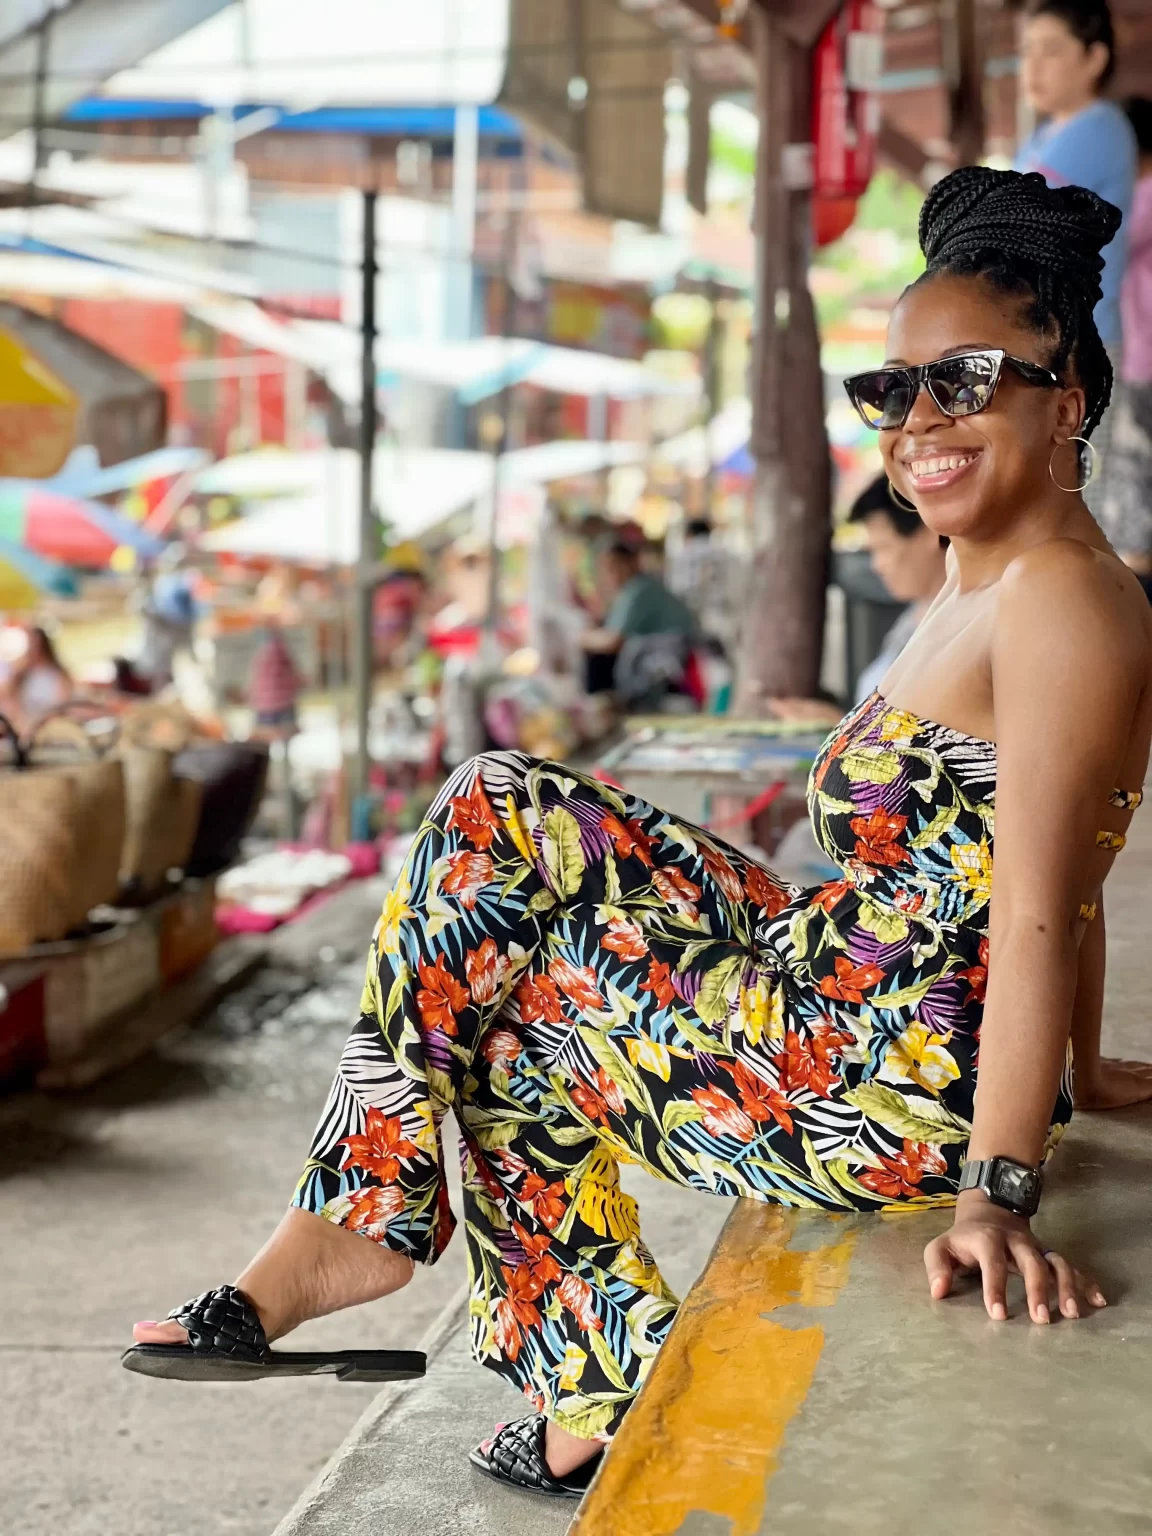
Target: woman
[37, 684]
[1126, 513]
[582, 978]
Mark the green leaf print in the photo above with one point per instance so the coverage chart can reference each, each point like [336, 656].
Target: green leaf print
[819, 1173]
[585, 1422]
[888, 926]
[680, 1112]
[618, 1068]
[718, 989]
[942, 822]
[613, 895]
[543, 901]
[871, 765]
[606, 1360]
[563, 857]
[904, 997]
[917, 1119]
[510, 885]
[838, 1168]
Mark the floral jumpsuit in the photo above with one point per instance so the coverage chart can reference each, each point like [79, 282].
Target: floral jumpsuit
[585, 980]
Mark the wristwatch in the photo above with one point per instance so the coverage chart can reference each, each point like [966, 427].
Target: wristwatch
[1015, 1186]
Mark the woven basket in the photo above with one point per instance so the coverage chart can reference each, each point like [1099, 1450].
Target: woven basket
[59, 844]
[163, 812]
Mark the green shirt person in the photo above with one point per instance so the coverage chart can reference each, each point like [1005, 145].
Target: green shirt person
[641, 605]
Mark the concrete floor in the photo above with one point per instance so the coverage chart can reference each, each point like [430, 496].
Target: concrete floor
[118, 1203]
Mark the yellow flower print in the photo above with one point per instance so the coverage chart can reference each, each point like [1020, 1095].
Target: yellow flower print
[649, 1055]
[425, 1138]
[571, 1367]
[921, 1058]
[396, 910]
[898, 725]
[515, 826]
[761, 1011]
[635, 1264]
[973, 863]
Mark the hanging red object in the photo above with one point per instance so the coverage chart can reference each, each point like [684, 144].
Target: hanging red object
[847, 62]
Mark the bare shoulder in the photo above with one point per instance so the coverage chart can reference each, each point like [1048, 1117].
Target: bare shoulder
[1064, 591]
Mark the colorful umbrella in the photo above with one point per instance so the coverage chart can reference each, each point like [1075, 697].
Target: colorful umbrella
[66, 528]
[25, 579]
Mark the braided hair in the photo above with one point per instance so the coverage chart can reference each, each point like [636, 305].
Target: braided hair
[1038, 243]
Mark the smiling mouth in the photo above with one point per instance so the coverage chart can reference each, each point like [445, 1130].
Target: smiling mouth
[944, 466]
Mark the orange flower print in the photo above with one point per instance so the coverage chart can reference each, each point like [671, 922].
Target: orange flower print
[441, 997]
[610, 1091]
[802, 1065]
[900, 1176]
[850, 981]
[577, 1295]
[381, 1149]
[722, 871]
[487, 971]
[630, 838]
[977, 975]
[625, 938]
[473, 815]
[722, 1115]
[468, 874]
[577, 982]
[545, 1199]
[836, 750]
[538, 999]
[373, 1208]
[677, 890]
[765, 891]
[541, 1263]
[516, 1310]
[500, 1048]
[759, 1099]
[876, 837]
[659, 983]
[595, 1099]
[828, 896]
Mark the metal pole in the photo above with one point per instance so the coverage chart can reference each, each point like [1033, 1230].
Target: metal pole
[369, 538]
[39, 104]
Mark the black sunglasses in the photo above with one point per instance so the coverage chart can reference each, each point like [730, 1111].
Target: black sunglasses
[960, 386]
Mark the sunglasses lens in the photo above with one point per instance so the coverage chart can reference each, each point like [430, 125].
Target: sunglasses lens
[882, 398]
[961, 386]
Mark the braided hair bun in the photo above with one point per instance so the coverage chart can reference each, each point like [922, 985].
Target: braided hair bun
[1042, 244]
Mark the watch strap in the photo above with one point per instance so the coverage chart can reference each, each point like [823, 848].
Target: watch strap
[974, 1172]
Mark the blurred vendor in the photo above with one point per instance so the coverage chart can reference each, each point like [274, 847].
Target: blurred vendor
[639, 605]
[35, 683]
[908, 558]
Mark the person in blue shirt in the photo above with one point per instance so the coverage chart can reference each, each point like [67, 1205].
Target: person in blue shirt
[1067, 57]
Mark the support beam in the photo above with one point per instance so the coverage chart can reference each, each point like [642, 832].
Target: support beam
[964, 75]
[369, 533]
[790, 512]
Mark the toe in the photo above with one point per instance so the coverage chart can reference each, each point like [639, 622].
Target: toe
[159, 1333]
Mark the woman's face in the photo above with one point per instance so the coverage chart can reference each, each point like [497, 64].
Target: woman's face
[1058, 75]
[969, 476]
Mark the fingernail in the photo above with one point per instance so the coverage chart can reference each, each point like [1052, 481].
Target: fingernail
[1099, 1300]
[148, 1323]
[999, 1313]
[1071, 1310]
[1042, 1315]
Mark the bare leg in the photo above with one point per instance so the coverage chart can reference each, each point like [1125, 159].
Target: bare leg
[307, 1268]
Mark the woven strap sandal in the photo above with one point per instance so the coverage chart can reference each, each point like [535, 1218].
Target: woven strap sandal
[515, 1455]
[226, 1342]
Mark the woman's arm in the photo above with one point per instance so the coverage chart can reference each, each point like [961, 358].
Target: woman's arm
[1068, 670]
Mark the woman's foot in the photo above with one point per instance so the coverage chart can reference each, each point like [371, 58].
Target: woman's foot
[564, 1452]
[307, 1268]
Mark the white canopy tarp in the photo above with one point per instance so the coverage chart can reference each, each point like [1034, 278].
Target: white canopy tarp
[700, 448]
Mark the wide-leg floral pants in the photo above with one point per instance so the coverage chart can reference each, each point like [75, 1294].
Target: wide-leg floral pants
[580, 978]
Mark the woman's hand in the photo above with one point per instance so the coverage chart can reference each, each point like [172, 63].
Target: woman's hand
[987, 1238]
[1113, 1084]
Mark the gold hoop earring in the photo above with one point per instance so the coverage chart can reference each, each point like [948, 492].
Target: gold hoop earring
[1074, 490]
[897, 500]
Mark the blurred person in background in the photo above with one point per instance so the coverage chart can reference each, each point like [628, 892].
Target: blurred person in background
[700, 571]
[275, 685]
[169, 615]
[37, 682]
[640, 607]
[1067, 57]
[1126, 510]
[908, 558]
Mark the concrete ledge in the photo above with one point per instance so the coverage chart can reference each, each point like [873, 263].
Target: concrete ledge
[810, 1386]
[403, 1470]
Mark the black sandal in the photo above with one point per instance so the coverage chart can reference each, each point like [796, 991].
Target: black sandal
[226, 1342]
[515, 1455]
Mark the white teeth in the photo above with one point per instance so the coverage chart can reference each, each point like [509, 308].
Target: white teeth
[919, 468]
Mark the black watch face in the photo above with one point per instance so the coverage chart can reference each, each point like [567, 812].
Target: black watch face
[1015, 1186]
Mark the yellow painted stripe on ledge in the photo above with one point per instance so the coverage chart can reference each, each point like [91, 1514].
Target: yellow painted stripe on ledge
[706, 1430]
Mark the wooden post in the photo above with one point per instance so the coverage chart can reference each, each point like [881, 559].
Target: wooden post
[964, 74]
[790, 512]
